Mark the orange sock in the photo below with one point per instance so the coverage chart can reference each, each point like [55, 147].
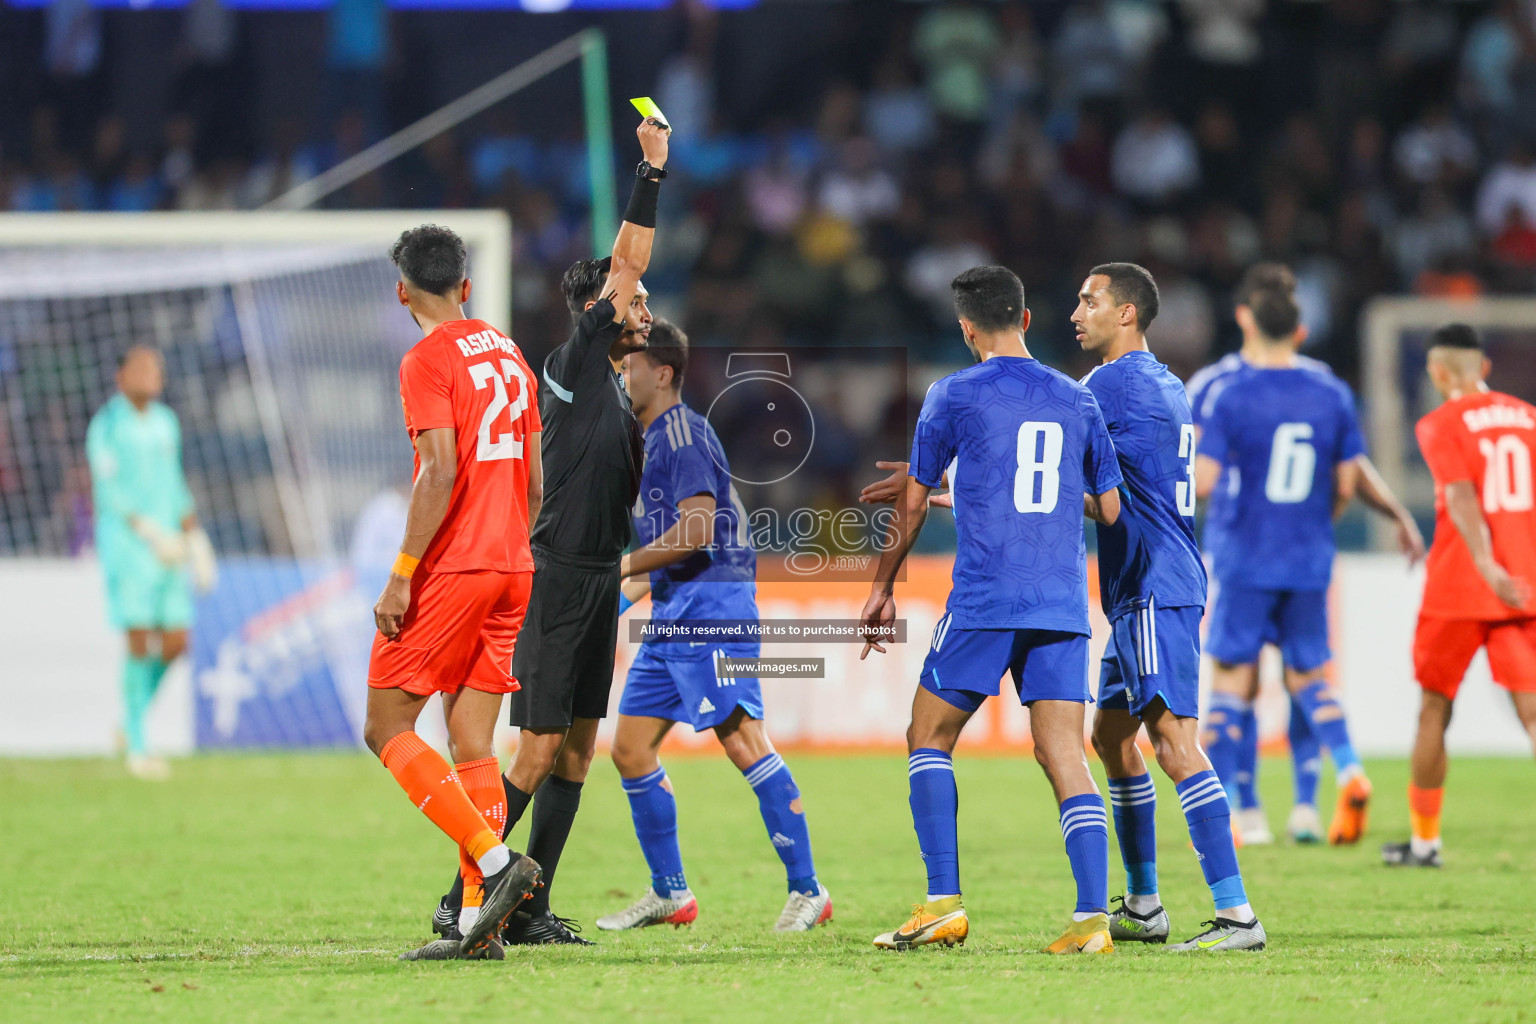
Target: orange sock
[474, 881]
[435, 790]
[482, 784]
[1424, 811]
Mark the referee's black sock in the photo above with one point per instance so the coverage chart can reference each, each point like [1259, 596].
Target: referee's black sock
[554, 810]
[517, 803]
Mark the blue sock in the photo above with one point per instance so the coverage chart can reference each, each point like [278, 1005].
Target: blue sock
[654, 810]
[778, 798]
[1085, 827]
[935, 804]
[1306, 756]
[1327, 721]
[1223, 732]
[1210, 829]
[1134, 801]
[1247, 777]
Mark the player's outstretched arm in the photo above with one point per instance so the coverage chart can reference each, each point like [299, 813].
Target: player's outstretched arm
[632, 247]
[1466, 511]
[885, 491]
[438, 451]
[1374, 493]
[693, 531]
[880, 610]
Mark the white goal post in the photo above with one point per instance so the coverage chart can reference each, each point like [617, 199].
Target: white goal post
[282, 338]
[1391, 327]
[302, 305]
[488, 233]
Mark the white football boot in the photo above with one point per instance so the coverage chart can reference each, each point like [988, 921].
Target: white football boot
[1304, 826]
[1254, 827]
[802, 913]
[650, 909]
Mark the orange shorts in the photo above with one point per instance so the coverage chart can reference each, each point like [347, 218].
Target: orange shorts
[1443, 648]
[460, 631]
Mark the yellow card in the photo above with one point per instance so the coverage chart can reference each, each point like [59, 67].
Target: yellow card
[648, 108]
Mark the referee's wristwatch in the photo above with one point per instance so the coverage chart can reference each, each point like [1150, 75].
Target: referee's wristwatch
[645, 170]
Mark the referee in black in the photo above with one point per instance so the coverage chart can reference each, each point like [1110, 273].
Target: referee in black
[593, 453]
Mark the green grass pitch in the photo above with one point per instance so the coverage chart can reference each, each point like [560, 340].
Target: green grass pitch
[283, 887]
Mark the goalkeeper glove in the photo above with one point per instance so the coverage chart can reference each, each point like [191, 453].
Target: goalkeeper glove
[169, 548]
[200, 560]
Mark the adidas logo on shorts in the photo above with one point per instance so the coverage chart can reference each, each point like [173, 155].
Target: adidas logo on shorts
[705, 707]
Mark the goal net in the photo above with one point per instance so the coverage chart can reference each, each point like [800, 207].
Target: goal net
[282, 339]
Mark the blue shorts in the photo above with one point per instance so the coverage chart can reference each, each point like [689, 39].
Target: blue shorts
[1153, 652]
[965, 666]
[154, 597]
[690, 690]
[1244, 619]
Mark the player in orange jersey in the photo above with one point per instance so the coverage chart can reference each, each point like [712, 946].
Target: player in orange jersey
[1482, 564]
[450, 613]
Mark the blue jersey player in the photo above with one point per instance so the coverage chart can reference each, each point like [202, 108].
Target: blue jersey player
[1026, 454]
[1283, 443]
[698, 560]
[1233, 726]
[1152, 588]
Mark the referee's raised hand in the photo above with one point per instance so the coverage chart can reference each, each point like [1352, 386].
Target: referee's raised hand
[653, 141]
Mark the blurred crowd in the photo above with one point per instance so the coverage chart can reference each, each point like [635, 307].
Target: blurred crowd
[827, 194]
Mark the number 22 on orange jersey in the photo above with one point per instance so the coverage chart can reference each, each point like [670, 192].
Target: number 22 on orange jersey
[484, 375]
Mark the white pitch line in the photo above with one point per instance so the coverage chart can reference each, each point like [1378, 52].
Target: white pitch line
[145, 957]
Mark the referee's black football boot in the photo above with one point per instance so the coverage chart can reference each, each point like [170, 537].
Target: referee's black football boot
[504, 892]
[525, 929]
[445, 919]
[1401, 855]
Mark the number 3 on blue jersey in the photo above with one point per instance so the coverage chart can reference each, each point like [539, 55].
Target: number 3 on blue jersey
[1184, 490]
[1044, 467]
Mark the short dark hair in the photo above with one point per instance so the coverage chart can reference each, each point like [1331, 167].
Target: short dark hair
[1269, 292]
[1267, 276]
[1456, 336]
[583, 282]
[133, 350]
[431, 258]
[1132, 283]
[992, 298]
[668, 346]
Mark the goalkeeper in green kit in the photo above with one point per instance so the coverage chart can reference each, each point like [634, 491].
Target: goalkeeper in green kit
[147, 537]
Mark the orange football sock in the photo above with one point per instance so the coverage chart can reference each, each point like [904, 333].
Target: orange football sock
[482, 784]
[1424, 811]
[474, 881]
[434, 788]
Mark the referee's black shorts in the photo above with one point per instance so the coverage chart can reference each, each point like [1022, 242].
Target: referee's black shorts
[564, 654]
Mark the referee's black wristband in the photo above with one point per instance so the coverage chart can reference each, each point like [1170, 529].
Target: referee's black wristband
[641, 210]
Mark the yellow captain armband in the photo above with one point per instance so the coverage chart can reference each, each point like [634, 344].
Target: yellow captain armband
[405, 565]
